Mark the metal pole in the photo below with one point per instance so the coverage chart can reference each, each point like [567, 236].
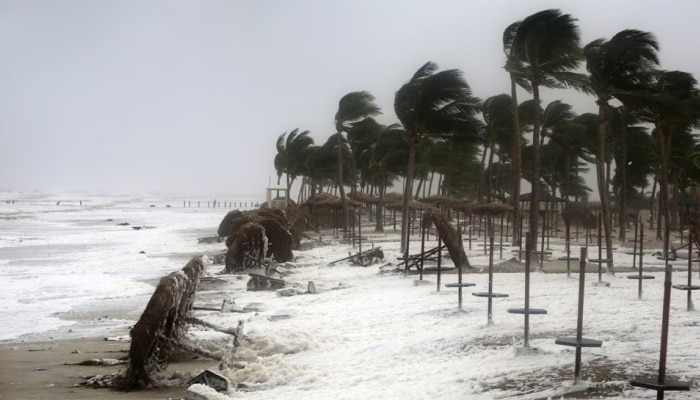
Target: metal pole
[579, 322]
[490, 304]
[528, 252]
[568, 249]
[665, 314]
[641, 258]
[634, 251]
[690, 269]
[439, 261]
[600, 248]
[422, 251]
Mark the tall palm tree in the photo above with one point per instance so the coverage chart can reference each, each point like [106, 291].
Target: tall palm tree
[290, 149]
[544, 50]
[352, 108]
[617, 67]
[433, 104]
[513, 64]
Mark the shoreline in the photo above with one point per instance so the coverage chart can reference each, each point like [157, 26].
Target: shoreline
[46, 370]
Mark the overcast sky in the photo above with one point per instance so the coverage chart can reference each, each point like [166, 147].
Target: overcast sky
[191, 96]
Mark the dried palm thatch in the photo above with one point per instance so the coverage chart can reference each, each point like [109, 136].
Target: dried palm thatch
[412, 205]
[226, 225]
[330, 201]
[364, 198]
[578, 214]
[325, 210]
[248, 248]
[161, 324]
[491, 209]
[393, 197]
[255, 235]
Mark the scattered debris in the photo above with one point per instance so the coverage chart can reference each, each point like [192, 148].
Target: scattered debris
[262, 282]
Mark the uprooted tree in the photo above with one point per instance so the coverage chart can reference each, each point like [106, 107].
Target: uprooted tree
[254, 236]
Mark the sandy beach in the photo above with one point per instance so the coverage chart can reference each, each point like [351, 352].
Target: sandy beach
[43, 370]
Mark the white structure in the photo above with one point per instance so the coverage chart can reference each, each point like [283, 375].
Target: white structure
[279, 201]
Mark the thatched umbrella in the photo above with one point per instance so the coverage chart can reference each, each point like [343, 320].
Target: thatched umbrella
[412, 205]
[491, 209]
[364, 198]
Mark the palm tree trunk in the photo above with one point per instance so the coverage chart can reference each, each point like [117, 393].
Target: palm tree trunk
[379, 227]
[489, 178]
[420, 185]
[410, 170]
[289, 185]
[622, 218]
[603, 187]
[651, 204]
[517, 161]
[536, 171]
[482, 176]
[341, 187]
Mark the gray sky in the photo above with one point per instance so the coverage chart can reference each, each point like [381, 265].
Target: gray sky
[191, 96]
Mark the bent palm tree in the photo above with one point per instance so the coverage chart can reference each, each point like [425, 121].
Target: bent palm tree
[545, 49]
[617, 67]
[433, 104]
[352, 108]
[291, 147]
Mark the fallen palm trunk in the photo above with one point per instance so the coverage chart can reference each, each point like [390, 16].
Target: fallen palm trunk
[161, 324]
[452, 239]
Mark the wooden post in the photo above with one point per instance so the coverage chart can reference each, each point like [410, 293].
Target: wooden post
[641, 259]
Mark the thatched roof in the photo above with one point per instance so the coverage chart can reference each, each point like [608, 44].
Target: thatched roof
[456, 203]
[393, 197]
[364, 198]
[491, 208]
[544, 196]
[413, 205]
[330, 201]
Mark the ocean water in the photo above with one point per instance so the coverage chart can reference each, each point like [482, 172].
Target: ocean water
[70, 265]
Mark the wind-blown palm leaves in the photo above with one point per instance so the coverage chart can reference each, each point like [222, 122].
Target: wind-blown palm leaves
[543, 49]
[433, 105]
[618, 68]
[353, 108]
[291, 150]
[673, 106]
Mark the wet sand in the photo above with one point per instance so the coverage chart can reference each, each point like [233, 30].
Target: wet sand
[38, 370]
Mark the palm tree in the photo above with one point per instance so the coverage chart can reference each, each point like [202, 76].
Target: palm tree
[361, 136]
[352, 108]
[433, 104]
[673, 106]
[617, 67]
[512, 65]
[498, 116]
[290, 148]
[543, 49]
[387, 160]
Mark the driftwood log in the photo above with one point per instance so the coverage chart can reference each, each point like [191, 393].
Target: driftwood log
[452, 239]
[162, 323]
